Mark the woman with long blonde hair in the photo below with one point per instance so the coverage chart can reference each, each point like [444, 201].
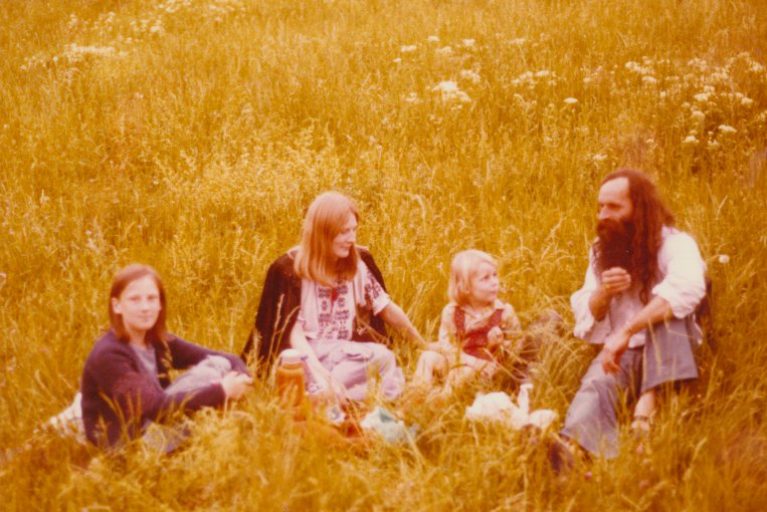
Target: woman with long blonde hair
[327, 299]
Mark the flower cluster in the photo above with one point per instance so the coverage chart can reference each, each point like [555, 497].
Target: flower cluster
[710, 104]
[117, 36]
[453, 90]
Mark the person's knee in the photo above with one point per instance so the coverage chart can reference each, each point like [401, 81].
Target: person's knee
[599, 381]
[383, 357]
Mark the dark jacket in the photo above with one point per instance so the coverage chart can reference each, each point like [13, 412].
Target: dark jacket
[279, 306]
[118, 396]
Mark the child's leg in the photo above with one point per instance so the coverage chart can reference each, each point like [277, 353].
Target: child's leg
[469, 368]
[429, 364]
[644, 410]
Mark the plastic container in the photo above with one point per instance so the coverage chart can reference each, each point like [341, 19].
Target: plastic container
[290, 379]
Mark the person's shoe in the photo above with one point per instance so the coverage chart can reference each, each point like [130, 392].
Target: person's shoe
[561, 456]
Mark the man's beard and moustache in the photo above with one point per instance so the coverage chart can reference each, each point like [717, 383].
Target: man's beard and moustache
[614, 242]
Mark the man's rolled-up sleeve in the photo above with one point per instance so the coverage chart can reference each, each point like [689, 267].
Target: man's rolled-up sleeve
[684, 285]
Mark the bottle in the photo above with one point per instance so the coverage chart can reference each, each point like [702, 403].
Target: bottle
[290, 379]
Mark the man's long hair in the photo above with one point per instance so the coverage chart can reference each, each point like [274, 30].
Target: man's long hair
[645, 226]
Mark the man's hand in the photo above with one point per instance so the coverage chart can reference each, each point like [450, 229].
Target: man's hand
[615, 280]
[614, 348]
[612, 282]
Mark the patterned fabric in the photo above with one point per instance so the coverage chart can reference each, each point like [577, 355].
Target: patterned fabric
[279, 305]
[329, 313]
[328, 317]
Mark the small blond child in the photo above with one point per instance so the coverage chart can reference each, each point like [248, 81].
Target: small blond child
[476, 331]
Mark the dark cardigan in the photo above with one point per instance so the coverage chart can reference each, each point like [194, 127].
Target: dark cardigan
[118, 395]
[280, 303]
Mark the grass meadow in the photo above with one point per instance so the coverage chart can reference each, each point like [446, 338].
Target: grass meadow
[192, 134]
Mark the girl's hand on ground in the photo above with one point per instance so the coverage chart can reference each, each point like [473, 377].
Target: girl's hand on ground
[235, 384]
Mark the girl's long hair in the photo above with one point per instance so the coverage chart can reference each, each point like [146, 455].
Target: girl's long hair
[325, 219]
[121, 280]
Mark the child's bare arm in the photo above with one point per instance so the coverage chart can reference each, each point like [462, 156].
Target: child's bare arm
[511, 328]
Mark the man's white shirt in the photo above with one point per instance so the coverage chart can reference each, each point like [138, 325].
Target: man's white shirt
[681, 283]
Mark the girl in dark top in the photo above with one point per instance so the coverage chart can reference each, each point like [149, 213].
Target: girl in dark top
[125, 383]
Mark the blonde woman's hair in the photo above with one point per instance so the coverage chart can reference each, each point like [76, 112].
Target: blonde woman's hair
[324, 220]
[463, 267]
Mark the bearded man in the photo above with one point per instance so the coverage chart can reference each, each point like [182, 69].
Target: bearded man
[644, 281]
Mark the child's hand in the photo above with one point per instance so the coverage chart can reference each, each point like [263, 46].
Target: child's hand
[494, 337]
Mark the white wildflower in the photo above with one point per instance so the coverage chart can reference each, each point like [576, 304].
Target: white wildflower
[727, 129]
[408, 48]
[587, 80]
[702, 97]
[76, 52]
[649, 80]
[412, 98]
[724, 259]
[571, 101]
[470, 75]
[433, 39]
[746, 101]
[446, 86]
[542, 73]
[637, 68]
[449, 91]
[599, 157]
[698, 115]
[397, 60]
[690, 140]
[519, 41]
[468, 43]
[444, 51]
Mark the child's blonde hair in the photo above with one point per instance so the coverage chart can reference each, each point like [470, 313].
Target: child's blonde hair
[462, 269]
[324, 220]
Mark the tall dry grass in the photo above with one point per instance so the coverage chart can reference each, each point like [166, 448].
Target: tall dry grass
[191, 135]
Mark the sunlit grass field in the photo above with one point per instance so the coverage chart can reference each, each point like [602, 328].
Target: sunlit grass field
[192, 134]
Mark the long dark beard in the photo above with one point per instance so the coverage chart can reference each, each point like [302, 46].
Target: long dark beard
[613, 246]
